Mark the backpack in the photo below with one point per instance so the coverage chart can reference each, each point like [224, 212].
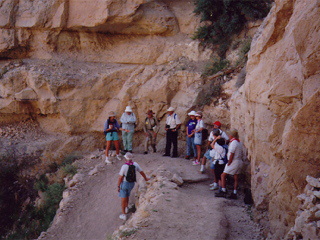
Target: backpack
[131, 174]
[225, 158]
[205, 134]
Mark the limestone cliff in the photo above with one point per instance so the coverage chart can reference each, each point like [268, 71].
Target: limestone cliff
[278, 109]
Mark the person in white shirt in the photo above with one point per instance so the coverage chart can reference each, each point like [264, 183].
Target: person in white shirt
[128, 120]
[198, 137]
[234, 166]
[124, 186]
[173, 124]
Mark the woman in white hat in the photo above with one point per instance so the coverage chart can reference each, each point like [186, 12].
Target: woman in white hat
[191, 125]
[128, 120]
[111, 128]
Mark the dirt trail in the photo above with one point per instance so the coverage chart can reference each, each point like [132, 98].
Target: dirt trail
[191, 212]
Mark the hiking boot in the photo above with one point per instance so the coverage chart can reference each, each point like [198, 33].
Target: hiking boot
[233, 196]
[107, 161]
[123, 217]
[221, 194]
[119, 157]
[213, 187]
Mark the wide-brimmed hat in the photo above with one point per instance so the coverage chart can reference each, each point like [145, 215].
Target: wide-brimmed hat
[112, 114]
[170, 109]
[217, 123]
[128, 109]
[128, 156]
[150, 112]
[198, 114]
[192, 113]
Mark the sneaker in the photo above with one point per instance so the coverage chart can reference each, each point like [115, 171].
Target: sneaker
[123, 217]
[211, 184]
[221, 194]
[107, 161]
[233, 196]
[202, 169]
[214, 187]
[119, 157]
[194, 163]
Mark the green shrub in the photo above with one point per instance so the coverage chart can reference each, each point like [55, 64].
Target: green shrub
[224, 18]
[69, 169]
[215, 66]
[70, 159]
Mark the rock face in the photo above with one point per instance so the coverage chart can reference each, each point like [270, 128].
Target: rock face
[277, 110]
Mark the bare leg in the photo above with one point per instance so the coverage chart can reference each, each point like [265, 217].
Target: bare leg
[198, 152]
[108, 148]
[235, 182]
[124, 204]
[116, 144]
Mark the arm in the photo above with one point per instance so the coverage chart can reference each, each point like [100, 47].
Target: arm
[230, 158]
[144, 176]
[120, 179]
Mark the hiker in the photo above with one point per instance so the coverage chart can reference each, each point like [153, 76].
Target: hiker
[217, 125]
[126, 182]
[173, 124]
[234, 165]
[219, 160]
[150, 130]
[128, 120]
[111, 128]
[198, 137]
[191, 125]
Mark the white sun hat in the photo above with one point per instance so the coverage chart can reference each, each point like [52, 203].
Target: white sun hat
[192, 113]
[170, 109]
[128, 109]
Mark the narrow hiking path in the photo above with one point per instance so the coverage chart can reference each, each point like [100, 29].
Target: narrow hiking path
[187, 212]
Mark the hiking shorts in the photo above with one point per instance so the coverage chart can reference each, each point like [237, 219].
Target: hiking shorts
[125, 189]
[112, 136]
[234, 168]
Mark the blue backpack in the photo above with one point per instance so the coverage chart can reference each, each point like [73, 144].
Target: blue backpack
[225, 158]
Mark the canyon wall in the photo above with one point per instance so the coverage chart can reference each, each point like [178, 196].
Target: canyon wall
[65, 64]
[277, 110]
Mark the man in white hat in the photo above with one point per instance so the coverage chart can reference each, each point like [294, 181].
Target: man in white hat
[173, 124]
[128, 120]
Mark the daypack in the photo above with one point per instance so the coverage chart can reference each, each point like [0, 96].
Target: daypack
[131, 174]
[225, 158]
[205, 134]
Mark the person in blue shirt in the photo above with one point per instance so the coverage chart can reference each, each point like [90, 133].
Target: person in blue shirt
[190, 126]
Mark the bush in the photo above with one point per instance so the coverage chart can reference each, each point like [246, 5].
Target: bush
[224, 18]
[70, 169]
[215, 66]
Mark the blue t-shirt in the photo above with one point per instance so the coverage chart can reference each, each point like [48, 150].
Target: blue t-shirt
[191, 125]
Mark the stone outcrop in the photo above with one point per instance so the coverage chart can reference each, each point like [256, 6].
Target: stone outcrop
[277, 110]
[307, 222]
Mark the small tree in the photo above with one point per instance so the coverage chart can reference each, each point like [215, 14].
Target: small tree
[224, 18]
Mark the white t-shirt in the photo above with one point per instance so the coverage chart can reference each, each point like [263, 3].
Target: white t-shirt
[200, 124]
[125, 167]
[223, 135]
[218, 153]
[173, 120]
[236, 148]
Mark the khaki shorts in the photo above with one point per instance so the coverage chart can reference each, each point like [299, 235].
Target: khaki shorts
[234, 168]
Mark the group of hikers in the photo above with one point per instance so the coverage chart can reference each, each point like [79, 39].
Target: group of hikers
[224, 151]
